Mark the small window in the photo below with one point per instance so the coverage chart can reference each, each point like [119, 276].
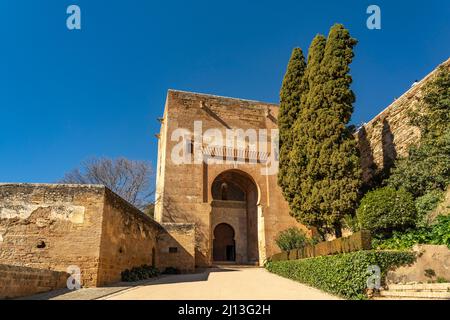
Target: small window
[223, 191]
[173, 250]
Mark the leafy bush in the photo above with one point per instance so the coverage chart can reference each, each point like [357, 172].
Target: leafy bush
[433, 113]
[292, 238]
[402, 241]
[438, 234]
[351, 222]
[385, 210]
[345, 274]
[427, 167]
[425, 205]
[143, 272]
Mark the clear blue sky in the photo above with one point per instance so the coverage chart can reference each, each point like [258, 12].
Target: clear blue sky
[66, 95]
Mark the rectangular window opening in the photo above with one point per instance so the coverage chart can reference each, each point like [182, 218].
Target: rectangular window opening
[173, 250]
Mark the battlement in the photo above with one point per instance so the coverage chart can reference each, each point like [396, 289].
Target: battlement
[217, 99]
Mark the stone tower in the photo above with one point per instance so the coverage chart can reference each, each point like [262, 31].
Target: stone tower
[212, 172]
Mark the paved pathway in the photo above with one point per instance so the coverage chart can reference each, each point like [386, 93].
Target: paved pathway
[82, 294]
[241, 283]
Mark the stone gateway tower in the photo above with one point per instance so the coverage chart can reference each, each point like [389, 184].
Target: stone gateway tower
[216, 157]
[236, 205]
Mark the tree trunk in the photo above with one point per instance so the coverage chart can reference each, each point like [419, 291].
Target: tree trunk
[338, 230]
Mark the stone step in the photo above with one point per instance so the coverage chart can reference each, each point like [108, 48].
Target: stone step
[433, 287]
[404, 298]
[415, 294]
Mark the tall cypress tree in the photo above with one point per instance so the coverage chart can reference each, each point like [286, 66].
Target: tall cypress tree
[326, 158]
[290, 96]
[300, 184]
[340, 169]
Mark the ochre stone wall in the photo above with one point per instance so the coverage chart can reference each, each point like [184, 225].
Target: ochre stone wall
[181, 238]
[51, 227]
[16, 281]
[233, 213]
[429, 257]
[128, 239]
[389, 135]
[183, 191]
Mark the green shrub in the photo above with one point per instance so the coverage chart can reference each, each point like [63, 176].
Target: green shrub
[427, 167]
[143, 272]
[402, 241]
[385, 210]
[292, 238]
[438, 234]
[426, 204]
[345, 274]
[351, 222]
[432, 114]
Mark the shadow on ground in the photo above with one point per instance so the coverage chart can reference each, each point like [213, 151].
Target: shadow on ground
[201, 274]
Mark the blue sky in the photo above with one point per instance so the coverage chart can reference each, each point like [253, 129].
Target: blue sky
[66, 96]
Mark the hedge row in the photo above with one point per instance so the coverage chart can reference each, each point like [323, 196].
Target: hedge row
[143, 272]
[345, 274]
[358, 241]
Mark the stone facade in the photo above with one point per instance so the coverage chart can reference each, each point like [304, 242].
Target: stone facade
[206, 211]
[177, 247]
[129, 239]
[16, 281]
[389, 135]
[185, 191]
[432, 263]
[53, 227]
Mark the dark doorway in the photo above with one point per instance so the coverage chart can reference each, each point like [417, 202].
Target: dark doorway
[224, 248]
[231, 256]
[236, 189]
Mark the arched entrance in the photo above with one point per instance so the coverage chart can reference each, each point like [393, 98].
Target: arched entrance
[224, 247]
[234, 208]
